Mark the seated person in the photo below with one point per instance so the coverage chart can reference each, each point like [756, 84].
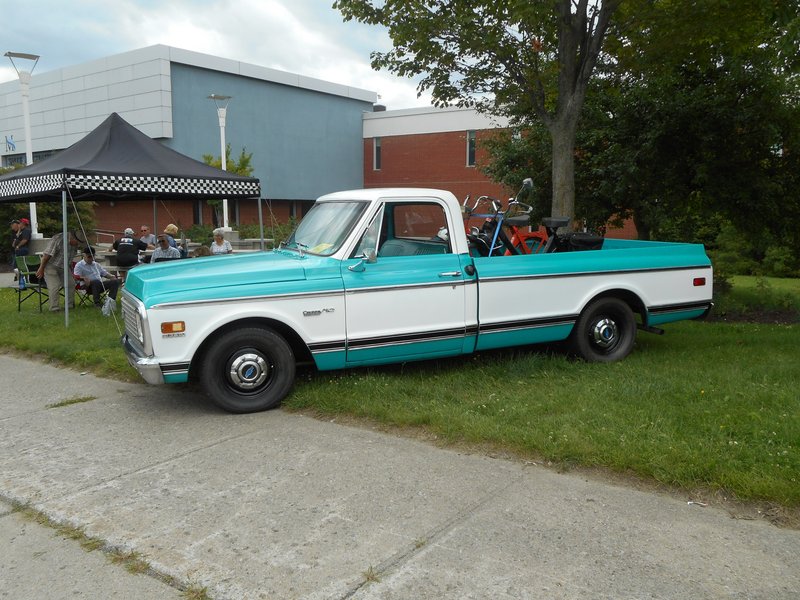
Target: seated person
[220, 245]
[164, 251]
[200, 251]
[128, 248]
[147, 237]
[95, 277]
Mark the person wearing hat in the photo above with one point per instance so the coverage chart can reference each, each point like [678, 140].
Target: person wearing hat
[171, 231]
[52, 269]
[95, 278]
[128, 248]
[14, 229]
[22, 239]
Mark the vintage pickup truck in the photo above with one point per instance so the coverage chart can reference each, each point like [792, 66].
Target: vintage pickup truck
[388, 275]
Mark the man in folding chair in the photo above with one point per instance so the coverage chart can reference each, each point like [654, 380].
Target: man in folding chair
[95, 278]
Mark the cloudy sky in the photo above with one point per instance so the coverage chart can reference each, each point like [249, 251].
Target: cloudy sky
[301, 36]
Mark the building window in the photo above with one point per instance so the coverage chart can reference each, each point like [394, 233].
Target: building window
[471, 148]
[376, 154]
[10, 160]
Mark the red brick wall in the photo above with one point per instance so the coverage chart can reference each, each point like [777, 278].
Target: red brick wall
[435, 160]
[116, 215]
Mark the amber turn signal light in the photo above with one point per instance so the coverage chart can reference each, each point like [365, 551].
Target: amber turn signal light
[173, 327]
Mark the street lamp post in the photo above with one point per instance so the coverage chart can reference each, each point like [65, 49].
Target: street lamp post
[25, 89]
[221, 103]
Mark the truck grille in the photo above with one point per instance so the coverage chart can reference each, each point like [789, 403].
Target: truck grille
[132, 321]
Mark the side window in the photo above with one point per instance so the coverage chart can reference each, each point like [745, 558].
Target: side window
[471, 141]
[376, 154]
[414, 229]
[369, 241]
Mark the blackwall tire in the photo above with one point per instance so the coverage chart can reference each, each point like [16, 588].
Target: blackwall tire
[605, 331]
[248, 370]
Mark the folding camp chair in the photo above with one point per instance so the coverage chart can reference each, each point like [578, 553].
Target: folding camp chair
[33, 287]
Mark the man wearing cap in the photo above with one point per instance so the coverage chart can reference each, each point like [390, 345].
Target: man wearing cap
[14, 230]
[22, 239]
[95, 277]
[52, 269]
[128, 248]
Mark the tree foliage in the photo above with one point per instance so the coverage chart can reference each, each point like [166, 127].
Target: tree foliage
[241, 166]
[693, 123]
[525, 59]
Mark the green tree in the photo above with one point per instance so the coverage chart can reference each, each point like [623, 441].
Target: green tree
[524, 59]
[241, 166]
[689, 126]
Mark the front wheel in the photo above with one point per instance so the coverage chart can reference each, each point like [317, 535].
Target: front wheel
[604, 332]
[248, 370]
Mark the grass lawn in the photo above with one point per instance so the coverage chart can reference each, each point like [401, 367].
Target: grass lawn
[710, 406]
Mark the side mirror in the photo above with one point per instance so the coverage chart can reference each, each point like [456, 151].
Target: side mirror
[370, 257]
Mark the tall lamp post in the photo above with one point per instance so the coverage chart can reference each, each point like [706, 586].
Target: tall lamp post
[25, 88]
[221, 103]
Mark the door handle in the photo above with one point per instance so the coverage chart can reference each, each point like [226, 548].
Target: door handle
[450, 274]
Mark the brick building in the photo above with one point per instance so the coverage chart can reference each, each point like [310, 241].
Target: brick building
[438, 148]
[429, 147]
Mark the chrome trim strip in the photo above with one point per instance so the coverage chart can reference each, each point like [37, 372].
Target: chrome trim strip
[527, 324]
[324, 294]
[405, 338]
[587, 273]
[172, 369]
[702, 305]
[407, 286]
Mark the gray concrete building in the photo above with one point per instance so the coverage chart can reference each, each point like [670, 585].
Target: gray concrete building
[305, 134]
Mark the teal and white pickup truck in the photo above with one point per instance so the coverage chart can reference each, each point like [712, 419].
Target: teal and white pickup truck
[382, 276]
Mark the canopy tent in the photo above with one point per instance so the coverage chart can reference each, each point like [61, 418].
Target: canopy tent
[117, 161]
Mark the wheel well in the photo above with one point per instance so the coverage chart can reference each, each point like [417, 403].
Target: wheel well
[628, 297]
[301, 352]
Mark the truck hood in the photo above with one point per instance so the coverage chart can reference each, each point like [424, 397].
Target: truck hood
[216, 277]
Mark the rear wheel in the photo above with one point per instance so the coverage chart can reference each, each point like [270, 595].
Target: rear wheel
[604, 332]
[248, 370]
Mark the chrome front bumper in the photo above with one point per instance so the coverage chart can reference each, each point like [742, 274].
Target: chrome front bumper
[148, 367]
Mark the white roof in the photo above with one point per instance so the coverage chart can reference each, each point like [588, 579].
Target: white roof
[412, 121]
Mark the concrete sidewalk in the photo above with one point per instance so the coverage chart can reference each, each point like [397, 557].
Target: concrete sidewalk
[277, 505]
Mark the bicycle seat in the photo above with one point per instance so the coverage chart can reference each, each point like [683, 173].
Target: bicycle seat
[518, 221]
[555, 222]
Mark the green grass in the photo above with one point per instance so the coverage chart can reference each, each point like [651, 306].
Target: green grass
[91, 343]
[710, 406]
[762, 299]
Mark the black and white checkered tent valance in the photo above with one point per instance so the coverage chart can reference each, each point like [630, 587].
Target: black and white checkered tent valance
[119, 186]
[116, 160]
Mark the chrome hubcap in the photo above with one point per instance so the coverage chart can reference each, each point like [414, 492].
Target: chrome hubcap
[604, 333]
[249, 371]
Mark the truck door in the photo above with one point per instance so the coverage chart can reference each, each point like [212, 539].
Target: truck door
[407, 301]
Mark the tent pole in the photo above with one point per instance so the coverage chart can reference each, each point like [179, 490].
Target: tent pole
[155, 216]
[65, 239]
[261, 223]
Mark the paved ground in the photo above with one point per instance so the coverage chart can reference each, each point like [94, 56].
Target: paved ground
[278, 505]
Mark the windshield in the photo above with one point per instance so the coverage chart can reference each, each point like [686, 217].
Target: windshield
[326, 226]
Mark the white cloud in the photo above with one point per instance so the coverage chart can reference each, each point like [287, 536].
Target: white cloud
[301, 36]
